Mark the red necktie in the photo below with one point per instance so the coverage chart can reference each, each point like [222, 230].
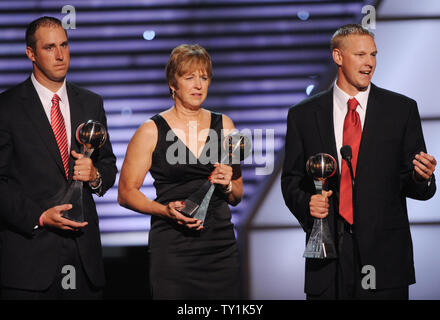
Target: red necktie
[59, 130]
[351, 136]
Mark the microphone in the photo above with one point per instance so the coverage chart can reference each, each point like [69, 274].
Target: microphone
[347, 154]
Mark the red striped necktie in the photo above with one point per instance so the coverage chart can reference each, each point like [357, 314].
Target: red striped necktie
[59, 130]
[351, 136]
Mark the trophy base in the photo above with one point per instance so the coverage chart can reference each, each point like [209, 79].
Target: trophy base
[77, 217]
[190, 208]
[193, 203]
[74, 214]
[74, 197]
[320, 251]
[320, 244]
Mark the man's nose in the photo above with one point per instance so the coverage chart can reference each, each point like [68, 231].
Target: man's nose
[59, 54]
[371, 61]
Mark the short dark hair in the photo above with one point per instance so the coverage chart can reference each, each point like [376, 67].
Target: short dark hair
[40, 22]
[347, 30]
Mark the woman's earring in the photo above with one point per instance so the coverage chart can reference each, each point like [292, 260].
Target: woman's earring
[172, 93]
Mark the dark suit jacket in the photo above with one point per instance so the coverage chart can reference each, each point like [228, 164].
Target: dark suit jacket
[32, 175]
[391, 136]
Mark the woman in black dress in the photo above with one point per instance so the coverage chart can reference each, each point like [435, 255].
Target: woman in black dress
[181, 148]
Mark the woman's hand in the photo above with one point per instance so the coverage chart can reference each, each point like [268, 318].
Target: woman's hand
[174, 214]
[222, 174]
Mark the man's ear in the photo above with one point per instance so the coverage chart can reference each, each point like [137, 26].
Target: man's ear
[30, 53]
[337, 56]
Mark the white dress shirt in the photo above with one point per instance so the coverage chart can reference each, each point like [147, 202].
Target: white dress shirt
[46, 96]
[340, 108]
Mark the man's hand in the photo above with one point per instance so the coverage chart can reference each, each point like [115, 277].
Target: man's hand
[319, 204]
[52, 218]
[424, 166]
[83, 170]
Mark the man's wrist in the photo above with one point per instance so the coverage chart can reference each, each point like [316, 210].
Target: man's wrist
[430, 179]
[96, 184]
[419, 179]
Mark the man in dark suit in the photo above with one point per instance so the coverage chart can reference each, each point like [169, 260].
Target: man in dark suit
[389, 161]
[44, 255]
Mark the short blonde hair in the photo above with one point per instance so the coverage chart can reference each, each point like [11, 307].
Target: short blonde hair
[185, 58]
[345, 31]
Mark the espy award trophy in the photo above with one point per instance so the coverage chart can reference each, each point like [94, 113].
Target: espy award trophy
[320, 245]
[91, 135]
[236, 148]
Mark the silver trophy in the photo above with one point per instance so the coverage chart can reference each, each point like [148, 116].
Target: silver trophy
[320, 244]
[236, 147]
[91, 135]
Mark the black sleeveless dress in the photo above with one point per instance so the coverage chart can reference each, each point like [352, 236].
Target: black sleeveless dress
[184, 263]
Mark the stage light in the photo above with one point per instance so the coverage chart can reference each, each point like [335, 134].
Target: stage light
[303, 15]
[149, 34]
[126, 111]
[310, 89]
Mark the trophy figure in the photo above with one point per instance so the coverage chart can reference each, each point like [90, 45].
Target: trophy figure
[91, 135]
[320, 245]
[237, 148]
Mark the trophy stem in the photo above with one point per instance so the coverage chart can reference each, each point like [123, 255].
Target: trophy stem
[88, 152]
[201, 212]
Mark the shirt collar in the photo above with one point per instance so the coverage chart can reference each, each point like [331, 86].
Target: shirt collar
[342, 97]
[46, 94]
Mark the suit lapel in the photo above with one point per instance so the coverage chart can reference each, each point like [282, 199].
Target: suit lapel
[324, 118]
[35, 111]
[76, 111]
[372, 117]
